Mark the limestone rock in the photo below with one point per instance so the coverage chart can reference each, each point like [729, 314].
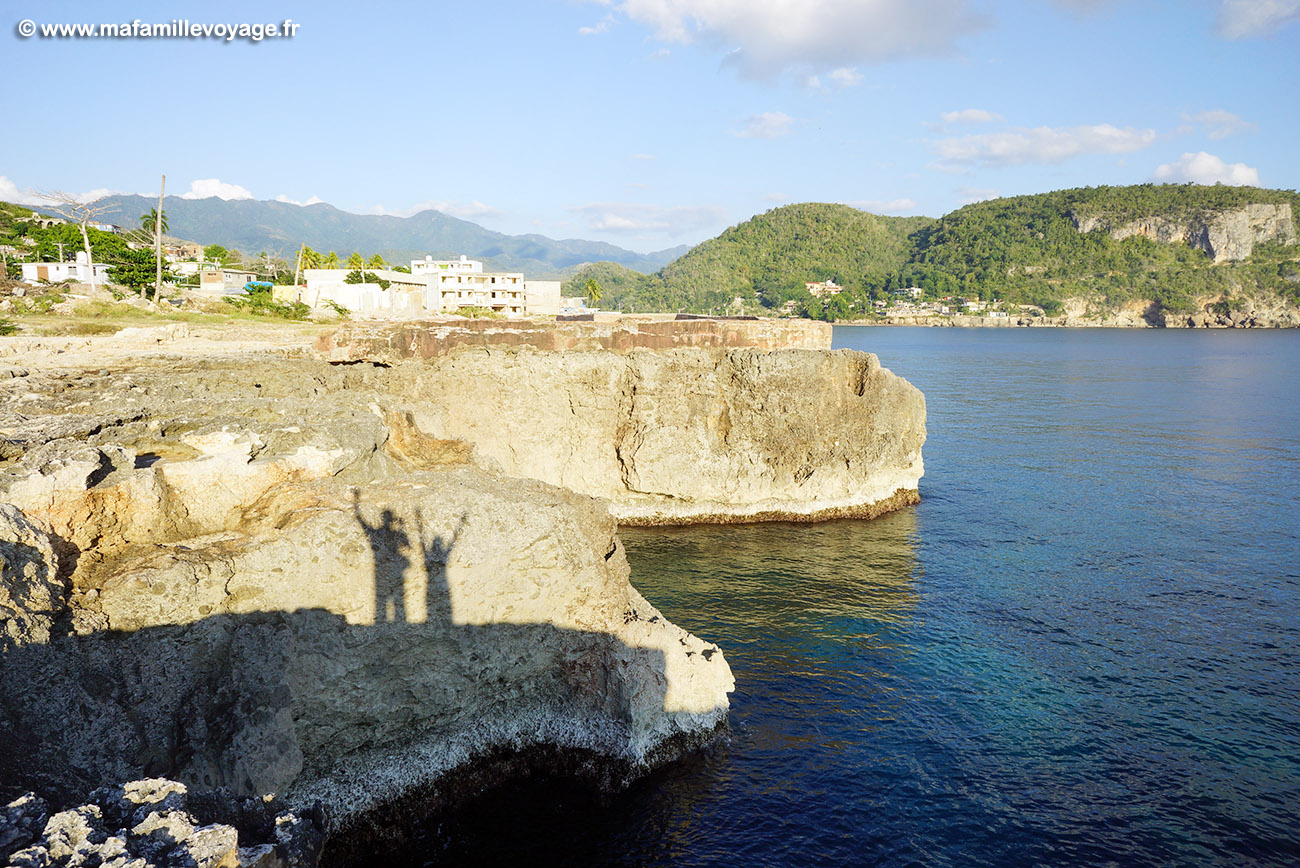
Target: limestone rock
[21, 821]
[1226, 235]
[31, 595]
[689, 435]
[362, 642]
[170, 837]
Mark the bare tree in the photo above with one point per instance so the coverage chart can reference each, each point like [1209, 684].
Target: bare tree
[71, 208]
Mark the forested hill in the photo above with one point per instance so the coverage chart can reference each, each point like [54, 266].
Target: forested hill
[1020, 250]
[1030, 249]
[766, 259]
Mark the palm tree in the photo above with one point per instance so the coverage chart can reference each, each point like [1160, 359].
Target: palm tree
[593, 291]
[332, 260]
[355, 262]
[377, 261]
[148, 221]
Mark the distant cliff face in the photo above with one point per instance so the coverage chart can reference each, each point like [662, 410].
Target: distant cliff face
[1225, 236]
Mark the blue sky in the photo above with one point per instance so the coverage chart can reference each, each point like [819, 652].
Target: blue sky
[652, 123]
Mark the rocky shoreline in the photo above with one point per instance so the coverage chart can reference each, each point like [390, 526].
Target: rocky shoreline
[379, 585]
[1271, 313]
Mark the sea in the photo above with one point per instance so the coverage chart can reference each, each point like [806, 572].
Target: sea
[1081, 648]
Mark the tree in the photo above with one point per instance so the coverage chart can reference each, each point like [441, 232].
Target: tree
[355, 262]
[82, 213]
[369, 277]
[331, 261]
[377, 261]
[592, 291]
[136, 269]
[148, 221]
[217, 253]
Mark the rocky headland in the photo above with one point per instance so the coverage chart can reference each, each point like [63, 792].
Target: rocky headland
[376, 584]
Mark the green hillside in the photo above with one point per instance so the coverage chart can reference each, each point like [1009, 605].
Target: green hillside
[1028, 249]
[766, 260]
[1018, 250]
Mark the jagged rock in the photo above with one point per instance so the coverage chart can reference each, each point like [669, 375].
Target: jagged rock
[21, 821]
[31, 595]
[31, 857]
[168, 837]
[70, 835]
[208, 847]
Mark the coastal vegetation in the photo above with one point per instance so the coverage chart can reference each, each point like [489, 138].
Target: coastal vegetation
[1022, 250]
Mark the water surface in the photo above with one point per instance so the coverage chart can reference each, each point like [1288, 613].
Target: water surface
[1079, 649]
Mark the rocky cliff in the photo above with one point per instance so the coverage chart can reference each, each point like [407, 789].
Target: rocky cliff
[342, 581]
[238, 577]
[687, 435]
[1226, 235]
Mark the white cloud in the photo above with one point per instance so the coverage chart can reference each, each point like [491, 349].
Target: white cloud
[768, 125]
[207, 188]
[594, 29]
[1241, 19]
[314, 200]
[632, 218]
[970, 116]
[1220, 124]
[1041, 144]
[846, 76]
[764, 38]
[1203, 168]
[970, 195]
[876, 206]
[11, 192]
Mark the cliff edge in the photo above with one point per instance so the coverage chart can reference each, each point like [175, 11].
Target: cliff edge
[239, 577]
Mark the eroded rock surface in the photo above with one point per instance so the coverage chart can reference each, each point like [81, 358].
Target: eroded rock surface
[342, 582]
[1227, 235]
[158, 823]
[688, 435]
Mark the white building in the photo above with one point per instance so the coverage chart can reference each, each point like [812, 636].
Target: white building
[824, 289]
[434, 286]
[57, 272]
[223, 281]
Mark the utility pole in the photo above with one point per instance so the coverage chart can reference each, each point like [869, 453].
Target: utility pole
[157, 243]
[297, 268]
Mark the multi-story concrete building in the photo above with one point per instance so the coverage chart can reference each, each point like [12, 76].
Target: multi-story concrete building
[434, 286]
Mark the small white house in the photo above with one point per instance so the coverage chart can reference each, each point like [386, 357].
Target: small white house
[57, 272]
[224, 281]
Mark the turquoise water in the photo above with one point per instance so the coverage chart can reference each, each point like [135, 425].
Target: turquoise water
[1081, 648]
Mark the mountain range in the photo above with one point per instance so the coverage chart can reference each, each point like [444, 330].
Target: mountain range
[279, 228]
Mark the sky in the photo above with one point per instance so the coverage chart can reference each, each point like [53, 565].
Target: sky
[651, 123]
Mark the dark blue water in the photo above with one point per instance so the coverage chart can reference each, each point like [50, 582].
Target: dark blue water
[1081, 648]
